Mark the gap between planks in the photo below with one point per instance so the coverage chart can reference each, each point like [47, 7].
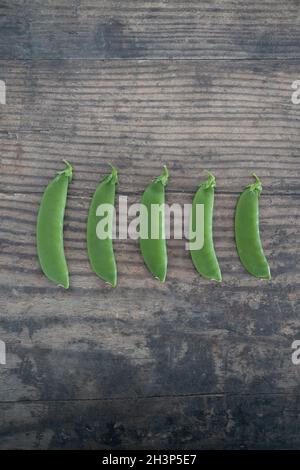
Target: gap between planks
[154, 397]
[153, 59]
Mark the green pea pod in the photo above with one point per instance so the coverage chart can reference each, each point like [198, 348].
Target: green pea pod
[100, 229]
[50, 221]
[204, 259]
[152, 227]
[247, 235]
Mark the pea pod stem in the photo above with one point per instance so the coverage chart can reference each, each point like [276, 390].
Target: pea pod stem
[163, 178]
[256, 186]
[210, 182]
[68, 171]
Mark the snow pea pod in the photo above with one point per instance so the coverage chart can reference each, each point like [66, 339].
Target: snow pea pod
[204, 259]
[100, 229]
[152, 227]
[247, 234]
[50, 244]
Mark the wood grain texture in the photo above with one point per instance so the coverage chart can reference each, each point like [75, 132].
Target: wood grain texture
[232, 118]
[188, 364]
[144, 338]
[149, 29]
[208, 422]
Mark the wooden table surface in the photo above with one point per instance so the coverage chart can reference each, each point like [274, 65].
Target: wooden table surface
[186, 364]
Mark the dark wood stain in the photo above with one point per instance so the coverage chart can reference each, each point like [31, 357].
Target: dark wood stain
[188, 364]
[154, 29]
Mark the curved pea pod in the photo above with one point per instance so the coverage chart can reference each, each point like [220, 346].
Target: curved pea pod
[204, 258]
[247, 234]
[100, 229]
[50, 243]
[152, 227]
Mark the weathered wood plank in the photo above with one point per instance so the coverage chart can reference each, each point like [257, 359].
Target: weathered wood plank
[230, 118]
[149, 29]
[280, 227]
[144, 338]
[211, 422]
[189, 364]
